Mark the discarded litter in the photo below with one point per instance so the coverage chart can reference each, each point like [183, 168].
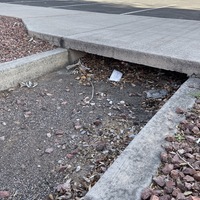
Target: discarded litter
[156, 94]
[198, 141]
[115, 76]
[28, 84]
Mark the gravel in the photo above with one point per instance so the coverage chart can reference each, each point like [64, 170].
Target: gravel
[178, 176]
[15, 41]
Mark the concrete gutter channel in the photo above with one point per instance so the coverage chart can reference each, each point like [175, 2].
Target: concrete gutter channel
[132, 171]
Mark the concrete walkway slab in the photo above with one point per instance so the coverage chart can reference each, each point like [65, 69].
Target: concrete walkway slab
[162, 43]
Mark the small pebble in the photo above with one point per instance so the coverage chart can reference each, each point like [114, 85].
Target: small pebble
[122, 102]
[48, 135]
[109, 114]
[78, 168]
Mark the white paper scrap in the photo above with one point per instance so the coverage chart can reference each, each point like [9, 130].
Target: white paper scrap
[115, 76]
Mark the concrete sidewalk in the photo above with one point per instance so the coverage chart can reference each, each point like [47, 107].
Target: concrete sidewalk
[162, 43]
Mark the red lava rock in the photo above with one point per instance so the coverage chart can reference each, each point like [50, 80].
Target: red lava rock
[174, 174]
[194, 198]
[189, 171]
[170, 138]
[190, 126]
[4, 194]
[160, 180]
[188, 178]
[197, 176]
[181, 174]
[170, 184]
[188, 186]
[49, 150]
[180, 196]
[165, 197]
[180, 111]
[97, 122]
[181, 186]
[168, 148]
[167, 168]
[169, 187]
[189, 155]
[190, 138]
[196, 186]
[175, 192]
[69, 155]
[196, 165]
[176, 160]
[75, 151]
[146, 193]
[189, 150]
[195, 130]
[59, 133]
[157, 192]
[154, 197]
[164, 157]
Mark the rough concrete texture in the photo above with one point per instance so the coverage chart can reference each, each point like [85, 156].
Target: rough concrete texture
[162, 43]
[24, 69]
[132, 171]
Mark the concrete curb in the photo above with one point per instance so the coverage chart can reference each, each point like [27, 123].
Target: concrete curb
[34, 66]
[132, 171]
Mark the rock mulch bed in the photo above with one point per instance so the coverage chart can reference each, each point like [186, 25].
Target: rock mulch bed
[178, 177]
[15, 41]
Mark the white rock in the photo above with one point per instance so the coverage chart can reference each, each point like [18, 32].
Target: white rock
[48, 135]
[2, 138]
[122, 102]
[78, 168]
[109, 114]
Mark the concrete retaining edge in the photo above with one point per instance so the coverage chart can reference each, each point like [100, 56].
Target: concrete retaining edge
[34, 66]
[132, 171]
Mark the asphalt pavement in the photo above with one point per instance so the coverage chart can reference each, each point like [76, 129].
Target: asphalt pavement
[176, 9]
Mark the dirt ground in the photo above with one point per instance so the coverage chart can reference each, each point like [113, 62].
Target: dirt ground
[73, 124]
